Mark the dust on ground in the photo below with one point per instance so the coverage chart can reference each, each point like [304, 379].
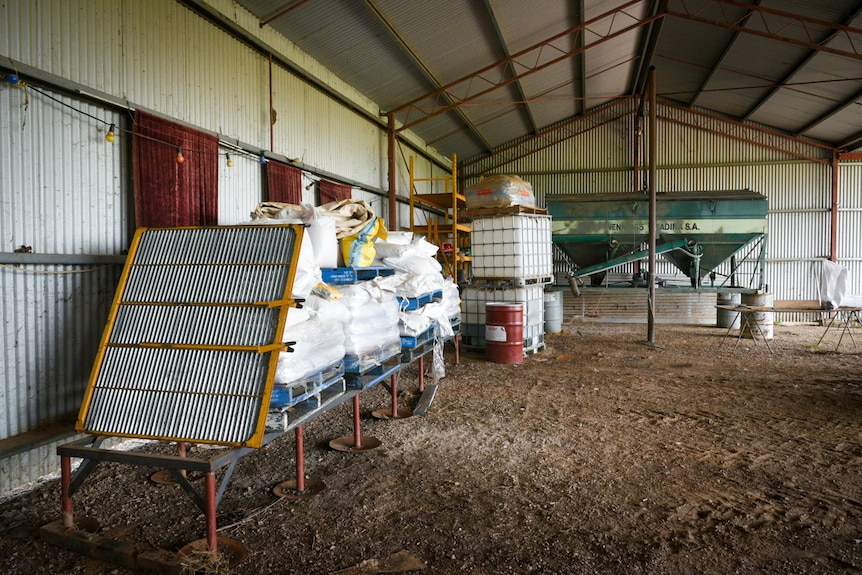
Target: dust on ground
[599, 454]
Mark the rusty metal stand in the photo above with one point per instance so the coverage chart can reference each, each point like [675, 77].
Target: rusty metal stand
[67, 532]
[394, 413]
[355, 442]
[302, 486]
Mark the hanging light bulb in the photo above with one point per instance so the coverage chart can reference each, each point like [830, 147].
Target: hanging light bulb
[110, 135]
[180, 158]
[229, 161]
[13, 79]
[263, 159]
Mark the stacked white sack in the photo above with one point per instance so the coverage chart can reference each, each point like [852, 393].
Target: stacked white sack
[370, 322]
[319, 344]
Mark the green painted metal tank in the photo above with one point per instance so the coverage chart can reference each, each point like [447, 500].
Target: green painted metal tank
[697, 231]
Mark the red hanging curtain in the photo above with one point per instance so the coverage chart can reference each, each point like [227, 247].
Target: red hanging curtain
[168, 193]
[332, 192]
[283, 183]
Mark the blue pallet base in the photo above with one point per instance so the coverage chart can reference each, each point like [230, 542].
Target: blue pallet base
[413, 303]
[354, 275]
[371, 358]
[281, 420]
[284, 395]
[412, 354]
[373, 376]
[411, 341]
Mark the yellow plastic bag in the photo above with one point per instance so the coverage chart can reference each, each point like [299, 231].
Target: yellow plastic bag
[358, 249]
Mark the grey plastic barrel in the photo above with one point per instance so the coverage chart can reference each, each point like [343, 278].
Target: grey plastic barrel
[725, 317]
[553, 311]
[759, 324]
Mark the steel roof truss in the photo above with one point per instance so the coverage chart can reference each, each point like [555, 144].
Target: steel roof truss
[531, 60]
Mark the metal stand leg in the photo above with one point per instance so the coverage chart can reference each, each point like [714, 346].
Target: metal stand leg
[357, 426]
[422, 374]
[224, 552]
[394, 412]
[743, 324]
[182, 447]
[394, 396]
[300, 459]
[849, 318]
[301, 486]
[166, 476]
[729, 328]
[355, 442]
[66, 487]
[828, 326]
[212, 532]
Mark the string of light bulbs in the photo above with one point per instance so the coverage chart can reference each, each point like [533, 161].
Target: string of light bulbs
[113, 130]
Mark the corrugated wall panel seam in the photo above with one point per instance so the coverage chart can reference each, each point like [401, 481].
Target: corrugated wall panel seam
[61, 191]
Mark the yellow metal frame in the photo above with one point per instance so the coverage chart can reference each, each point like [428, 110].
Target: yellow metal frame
[284, 303]
[448, 227]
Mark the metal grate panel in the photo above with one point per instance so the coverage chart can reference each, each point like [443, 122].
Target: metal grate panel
[192, 341]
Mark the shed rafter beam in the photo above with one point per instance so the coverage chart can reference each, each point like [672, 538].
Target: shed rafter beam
[504, 47]
[852, 142]
[799, 66]
[552, 136]
[531, 60]
[282, 12]
[721, 58]
[835, 110]
[648, 46]
[767, 138]
[580, 62]
[774, 28]
[423, 68]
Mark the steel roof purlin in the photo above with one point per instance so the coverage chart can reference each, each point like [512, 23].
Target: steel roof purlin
[425, 70]
[519, 87]
[470, 77]
[649, 41]
[808, 25]
[525, 59]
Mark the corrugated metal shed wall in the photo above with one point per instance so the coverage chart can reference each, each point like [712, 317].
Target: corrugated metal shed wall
[163, 57]
[240, 187]
[62, 185]
[598, 159]
[850, 223]
[61, 192]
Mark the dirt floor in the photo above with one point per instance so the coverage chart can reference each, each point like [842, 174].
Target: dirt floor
[597, 455]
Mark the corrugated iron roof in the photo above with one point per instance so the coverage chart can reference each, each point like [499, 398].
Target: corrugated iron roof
[468, 76]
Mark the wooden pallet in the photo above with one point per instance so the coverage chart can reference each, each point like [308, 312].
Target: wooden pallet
[507, 211]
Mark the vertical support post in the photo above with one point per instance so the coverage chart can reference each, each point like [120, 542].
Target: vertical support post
[181, 451]
[269, 119]
[652, 204]
[393, 180]
[732, 272]
[300, 460]
[456, 263]
[833, 232]
[636, 153]
[66, 491]
[395, 395]
[357, 434]
[422, 373]
[212, 532]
